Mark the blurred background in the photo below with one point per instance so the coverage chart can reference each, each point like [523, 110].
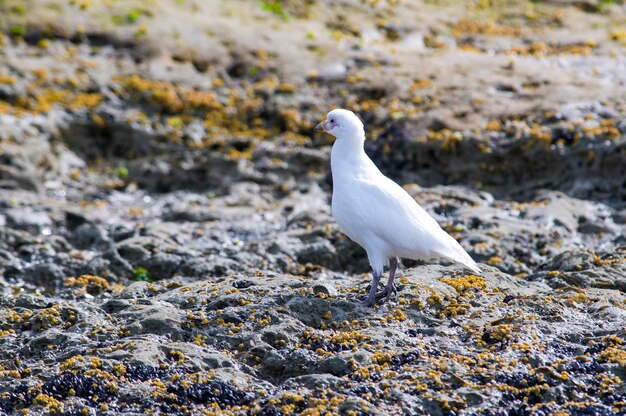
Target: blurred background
[109, 105]
[155, 149]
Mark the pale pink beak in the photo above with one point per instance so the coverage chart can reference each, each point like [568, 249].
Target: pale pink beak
[323, 126]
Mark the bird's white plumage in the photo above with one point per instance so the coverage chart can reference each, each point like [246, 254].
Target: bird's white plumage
[376, 212]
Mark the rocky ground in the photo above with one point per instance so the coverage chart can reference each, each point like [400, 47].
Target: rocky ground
[166, 243]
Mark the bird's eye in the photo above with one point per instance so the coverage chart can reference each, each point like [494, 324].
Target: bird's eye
[332, 121]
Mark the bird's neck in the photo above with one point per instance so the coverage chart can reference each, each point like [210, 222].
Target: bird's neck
[349, 152]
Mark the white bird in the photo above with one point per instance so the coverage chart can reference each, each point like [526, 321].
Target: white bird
[376, 212]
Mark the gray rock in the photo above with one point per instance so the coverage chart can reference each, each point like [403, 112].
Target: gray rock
[136, 249]
[26, 218]
[315, 381]
[571, 260]
[326, 288]
[339, 365]
[210, 266]
[157, 318]
[90, 236]
[162, 265]
[45, 274]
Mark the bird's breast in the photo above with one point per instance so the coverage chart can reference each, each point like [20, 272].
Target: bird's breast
[349, 211]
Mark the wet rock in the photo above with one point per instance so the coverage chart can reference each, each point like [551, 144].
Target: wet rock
[157, 318]
[9, 262]
[183, 171]
[571, 261]
[137, 249]
[13, 178]
[340, 365]
[144, 359]
[162, 265]
[46, 274]
[48, 339]
[28, 219]
[115, 139]
[327, 289]
[315, 381]
[426, 162]
[194, 168]
[584, 269]
[201, 267]
[90, 236]
[277, 366]
[318, 252]
[191, 214]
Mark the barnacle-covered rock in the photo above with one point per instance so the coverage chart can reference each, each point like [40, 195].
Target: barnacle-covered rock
[166, 240]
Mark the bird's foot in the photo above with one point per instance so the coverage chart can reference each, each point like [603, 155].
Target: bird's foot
[368, 301]
[387, 293]
[391, 293]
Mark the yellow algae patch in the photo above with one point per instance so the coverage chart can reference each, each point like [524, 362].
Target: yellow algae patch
[468, 26]
[84, 100]
[335, 341]
[52, 405]
[465, 283]
[397, 314]
[119, 369]
[495, 260]
[446, 137]
[49, 317]
[434, 299]
[613, 355]
[381, 357]
[619, 36]
[606, 262]
[45, 99]
[493, 125]
[7, 79]
[498, 332]
[421, 84]
[453, 309]
[72, 362]
[93, 284]
[168, 96]
[291, 119]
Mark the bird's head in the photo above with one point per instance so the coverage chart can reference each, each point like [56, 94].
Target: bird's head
[341, 123]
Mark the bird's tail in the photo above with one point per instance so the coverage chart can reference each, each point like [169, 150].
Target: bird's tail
[458, 254]
[471, 264]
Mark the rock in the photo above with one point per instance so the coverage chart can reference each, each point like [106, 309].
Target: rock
[318, 252]
[194, 214]
[571, 261]
[143, 359]
[280, 366]
[339, 365]
[162, 265]
[137, 249]
[90, 236]
[315, 381]
[326, 289]
[46, 274]
[153, 318]
[28, 219]
[210, 266]
[183, 175]
[13, 178]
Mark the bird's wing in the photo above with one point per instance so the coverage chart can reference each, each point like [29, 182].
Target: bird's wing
[405, 224]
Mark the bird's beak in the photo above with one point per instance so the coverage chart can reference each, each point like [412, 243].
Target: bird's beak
[321, 126]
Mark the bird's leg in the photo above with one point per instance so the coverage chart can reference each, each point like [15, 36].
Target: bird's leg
[371, 298]
[390, 289]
